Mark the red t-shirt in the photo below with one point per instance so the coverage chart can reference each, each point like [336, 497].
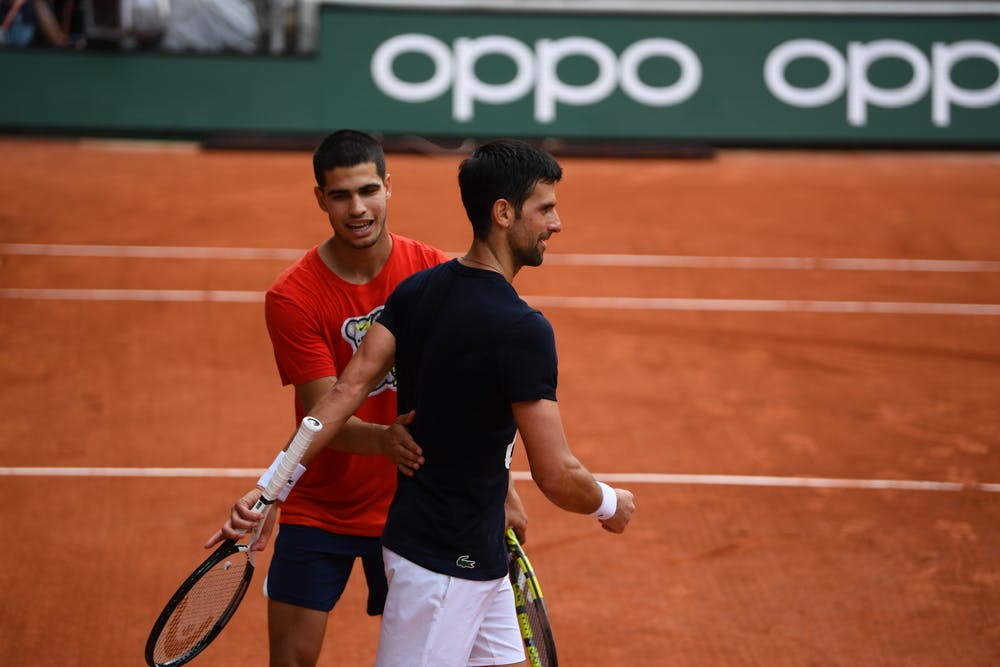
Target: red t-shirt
[316, 321]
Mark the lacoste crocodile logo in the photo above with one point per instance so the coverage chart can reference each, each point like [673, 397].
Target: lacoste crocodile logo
[464, 561]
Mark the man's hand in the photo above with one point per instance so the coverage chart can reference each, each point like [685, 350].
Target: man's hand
[626, 505]
[243, 520]
[396, 443]
[515, 515]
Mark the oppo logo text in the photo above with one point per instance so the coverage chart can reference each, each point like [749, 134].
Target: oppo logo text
[850, 74]
[535, 70]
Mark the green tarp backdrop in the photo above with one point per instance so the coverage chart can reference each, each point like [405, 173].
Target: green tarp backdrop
[723, 79]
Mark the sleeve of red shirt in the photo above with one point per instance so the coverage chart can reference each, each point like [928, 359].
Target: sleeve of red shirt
[301, 353]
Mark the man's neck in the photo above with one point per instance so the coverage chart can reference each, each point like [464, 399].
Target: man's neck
[357, 266]
[481, 255]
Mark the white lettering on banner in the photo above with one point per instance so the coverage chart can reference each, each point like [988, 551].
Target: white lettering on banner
[946, 92]
[551, 89]
[850, 75]
[385, 78]
[539, 68]
[821, 95]
[861, 92]
[686, 86]
[468, 88]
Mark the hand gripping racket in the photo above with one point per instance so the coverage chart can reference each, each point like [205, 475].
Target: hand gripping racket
[532, 617]
[207, 599]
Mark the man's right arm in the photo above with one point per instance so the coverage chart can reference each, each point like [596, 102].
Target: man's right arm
[309, 393]
[336, 406]
[333, 409]
[361, 437]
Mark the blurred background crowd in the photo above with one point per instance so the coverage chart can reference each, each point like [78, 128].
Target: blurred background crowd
[202, 26]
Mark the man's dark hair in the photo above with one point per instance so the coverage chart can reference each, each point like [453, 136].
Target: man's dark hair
[347, 148]
[502, 169]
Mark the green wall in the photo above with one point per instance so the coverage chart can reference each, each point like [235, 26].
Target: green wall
[852, 80]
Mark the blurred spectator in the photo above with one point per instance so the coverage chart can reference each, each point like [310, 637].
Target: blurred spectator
[212, 25]
[144, 22]
[23, 22]
[17, 23]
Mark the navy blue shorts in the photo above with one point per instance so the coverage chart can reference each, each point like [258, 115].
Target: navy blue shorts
[310, 567]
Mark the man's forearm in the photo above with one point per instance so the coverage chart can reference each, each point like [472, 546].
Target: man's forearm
[574, 489]
[358, 437]
[335, 411]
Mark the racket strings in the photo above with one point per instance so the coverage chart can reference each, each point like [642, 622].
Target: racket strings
[532, 616]
[538, 625]
[197, 613]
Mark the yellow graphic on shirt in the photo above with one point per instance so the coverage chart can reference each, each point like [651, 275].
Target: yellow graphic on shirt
[353, 330]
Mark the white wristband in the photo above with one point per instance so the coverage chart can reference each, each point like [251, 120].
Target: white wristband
[609, 504]
[265, 479]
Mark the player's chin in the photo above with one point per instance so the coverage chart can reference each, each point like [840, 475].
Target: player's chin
[534, 258]
[365, 242]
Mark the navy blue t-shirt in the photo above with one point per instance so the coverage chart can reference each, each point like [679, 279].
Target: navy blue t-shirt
[467, 347]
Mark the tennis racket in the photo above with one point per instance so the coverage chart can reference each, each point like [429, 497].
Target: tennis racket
[532, 617]
[207, 599]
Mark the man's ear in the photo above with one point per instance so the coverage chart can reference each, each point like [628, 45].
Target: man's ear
[388, 185]
[320, 199]
[503, 213]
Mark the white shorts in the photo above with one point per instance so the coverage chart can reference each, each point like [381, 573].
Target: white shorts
[433, 620]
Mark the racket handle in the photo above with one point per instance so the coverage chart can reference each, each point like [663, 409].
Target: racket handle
[308, 429]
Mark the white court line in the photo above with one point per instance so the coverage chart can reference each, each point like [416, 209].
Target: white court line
[777, 263]
[564, 259]
[764, 305]
[220, 296]
[800, 482]
[28, 471]
[580, 302]
[624, 478]
[148, 251]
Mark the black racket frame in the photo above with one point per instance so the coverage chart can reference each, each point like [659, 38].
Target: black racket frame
[518, 562]
[225, 550]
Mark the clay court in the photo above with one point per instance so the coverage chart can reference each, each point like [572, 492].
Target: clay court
[814, 443]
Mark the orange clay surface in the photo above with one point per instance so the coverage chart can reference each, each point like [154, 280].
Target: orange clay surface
[708, 574]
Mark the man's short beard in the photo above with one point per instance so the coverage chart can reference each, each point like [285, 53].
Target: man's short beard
[529, 256]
